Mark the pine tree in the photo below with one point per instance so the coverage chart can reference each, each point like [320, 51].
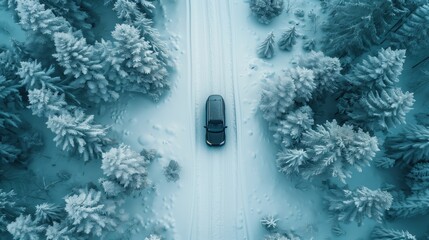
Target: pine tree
[383, 233]
[76, 132]
[131, 14]
[352, 27]
[145, 72]
[266, 10]
[288, 235]
[326, 71]
[380, 110]
[266, 48]
[59, 231]
[88, 214]
[304, 83]
[7, 87]
[288, 39]
[44, 102]
[378, 72]
[111, 188]
[409, 146]
[48, 213]
[172, 171]
[309, 45]
[34, 76]
[269, 222]
[24, 228]
[288, 130]
[418, 177]
[125, 166]
[8, 153]
[413, 34]
[277, 97]
[291, 160]
[334, 149]
[384, 162]
[33, 16]
[354, 206]
[416, 204]
[78, 14]
[9, 211]
[82, 61]
[152, 237]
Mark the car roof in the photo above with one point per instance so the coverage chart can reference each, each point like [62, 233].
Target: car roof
[215, 107]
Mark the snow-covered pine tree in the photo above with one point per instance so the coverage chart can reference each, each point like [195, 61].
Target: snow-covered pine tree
[7, 118]
[172, 171]
[44, 102]
[126, 10]
[356, 205]
[129, 12]
[266, 10]
[383, 233]
[418, 177]
[8, 153]
[378, 72]
[48, 213]
[334, 149]
[352, 27]
[288, 130]
[88, 214]
[8, 209]
[76, 132]
[111, 188]
[83, 62]
[384, 162]
[34, 76]
[7, 87]
[266, 48]
[309, 45]
[288, 235]
[33, 16]
[408, 146]
[269, 222]
[326, 71]
[139, 64]
[414, 33]
[78, 13]
[380, 110]
[304, 83]
[125, 166]
[416, 204]
[288, 39]
[291, 160]
[25, 228]
[277, 97]
[152, 237]
[60, 231]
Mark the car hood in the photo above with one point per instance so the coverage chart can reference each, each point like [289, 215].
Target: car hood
[215, 138]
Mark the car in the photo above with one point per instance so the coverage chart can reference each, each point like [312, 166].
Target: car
[215, 121]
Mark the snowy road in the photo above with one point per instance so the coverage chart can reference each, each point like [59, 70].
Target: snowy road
[216, 208]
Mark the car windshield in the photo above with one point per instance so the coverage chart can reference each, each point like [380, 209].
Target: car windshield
[215, 126]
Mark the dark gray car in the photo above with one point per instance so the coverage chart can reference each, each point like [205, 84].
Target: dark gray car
[215, 121]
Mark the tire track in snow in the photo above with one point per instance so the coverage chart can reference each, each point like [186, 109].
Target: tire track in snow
[191, 111]
[240, 180]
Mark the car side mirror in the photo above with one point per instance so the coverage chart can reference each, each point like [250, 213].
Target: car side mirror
[205, 126]
[226, 126]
